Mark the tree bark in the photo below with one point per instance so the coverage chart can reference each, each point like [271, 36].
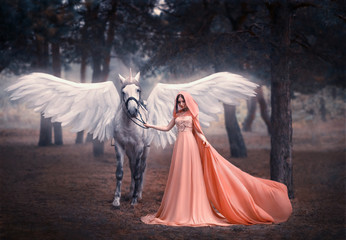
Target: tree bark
[98, 148]
[58, 140]
[281, 117]
[83, 64]
[235, 138]
[41, 64]
[56, 66]
[103, 37]
[109, 40]
[251, 113]
[45, 132]
[89, 138]
[263, 108]
[323, 109]
[79, 137]
[281, 138]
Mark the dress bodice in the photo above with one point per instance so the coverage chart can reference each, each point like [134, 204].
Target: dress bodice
[184, 123]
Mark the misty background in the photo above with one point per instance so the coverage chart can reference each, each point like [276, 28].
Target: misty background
[174, 41]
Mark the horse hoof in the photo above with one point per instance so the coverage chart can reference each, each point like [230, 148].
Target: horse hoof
[134, 202]
[116, 202]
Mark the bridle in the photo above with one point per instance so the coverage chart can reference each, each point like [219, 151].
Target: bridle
[139, 105]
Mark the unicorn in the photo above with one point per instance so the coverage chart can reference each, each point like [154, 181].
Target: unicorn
[100, 109]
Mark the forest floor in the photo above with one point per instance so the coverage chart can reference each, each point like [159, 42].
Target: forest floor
[63, 192]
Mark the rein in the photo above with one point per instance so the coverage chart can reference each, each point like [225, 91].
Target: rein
[138, 110]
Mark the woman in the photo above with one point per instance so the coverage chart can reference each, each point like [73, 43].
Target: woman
[200, 180]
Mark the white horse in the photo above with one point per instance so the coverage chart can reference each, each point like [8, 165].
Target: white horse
[98, 109]
[131, 138]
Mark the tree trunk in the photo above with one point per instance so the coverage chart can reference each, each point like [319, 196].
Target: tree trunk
[80, 135]
[109, 40]
[281, 138]
[89, 138]
[323, 109]
[45, 132]
[57, 133]
[102, 37]
[251, 113]
[263, 108]
[281, 117]
[56, 66]
[98, 147]
[41, 64]
[235, 138]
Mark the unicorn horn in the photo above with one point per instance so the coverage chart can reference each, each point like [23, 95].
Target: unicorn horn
[130, 75]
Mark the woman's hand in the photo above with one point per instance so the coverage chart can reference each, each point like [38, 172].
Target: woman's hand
[206, 143]
[204, 140]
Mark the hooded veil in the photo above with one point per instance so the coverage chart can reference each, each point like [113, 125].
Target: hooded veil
[238, 196]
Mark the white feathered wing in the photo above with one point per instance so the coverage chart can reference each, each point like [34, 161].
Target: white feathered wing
[82, 106]
[209, 93]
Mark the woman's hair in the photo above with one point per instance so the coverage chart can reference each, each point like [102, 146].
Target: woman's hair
[176, 101]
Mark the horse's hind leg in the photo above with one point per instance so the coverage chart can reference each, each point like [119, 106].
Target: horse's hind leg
[119, 152]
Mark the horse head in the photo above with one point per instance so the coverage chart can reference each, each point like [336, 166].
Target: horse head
[131, 94]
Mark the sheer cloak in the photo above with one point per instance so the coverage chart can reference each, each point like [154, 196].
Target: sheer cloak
[238, 196]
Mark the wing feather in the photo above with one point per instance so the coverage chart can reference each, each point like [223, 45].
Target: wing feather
[82, 106]
[209, 92]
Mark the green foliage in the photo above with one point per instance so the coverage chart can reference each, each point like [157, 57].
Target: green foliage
[235, 36]
[178, 37]
[27, 22]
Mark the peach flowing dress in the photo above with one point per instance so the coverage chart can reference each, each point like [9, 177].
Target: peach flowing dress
[204, 189]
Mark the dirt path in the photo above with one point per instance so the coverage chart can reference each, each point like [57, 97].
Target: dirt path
[65, 193]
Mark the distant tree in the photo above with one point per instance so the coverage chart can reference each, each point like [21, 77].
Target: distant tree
[32, 43]
[106, 30]
[290, 52]
[251, 107]
[199, 35]
[285, 44]
[56, 70]
[98, 34]
[16, 36]
[281, 118]
[51, 24]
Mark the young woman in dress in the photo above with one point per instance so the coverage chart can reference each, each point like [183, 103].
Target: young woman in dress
[204, 189]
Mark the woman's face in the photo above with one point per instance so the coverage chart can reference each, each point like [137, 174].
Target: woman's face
[181, 103]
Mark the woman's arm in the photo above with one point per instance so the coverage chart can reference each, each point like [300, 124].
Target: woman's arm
[202, 137]
[162, 128]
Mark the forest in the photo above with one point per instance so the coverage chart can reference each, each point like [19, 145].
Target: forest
[293, 49]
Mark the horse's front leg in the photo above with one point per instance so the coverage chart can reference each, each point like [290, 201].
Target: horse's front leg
[119, 153]
[143, 166]
[137, 176]
[132, 163]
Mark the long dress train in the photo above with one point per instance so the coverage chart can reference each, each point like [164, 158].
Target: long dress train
[200, 179]
[240, 197]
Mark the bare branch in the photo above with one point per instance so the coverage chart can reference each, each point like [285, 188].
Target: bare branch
[341, 17]
[303, 5]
